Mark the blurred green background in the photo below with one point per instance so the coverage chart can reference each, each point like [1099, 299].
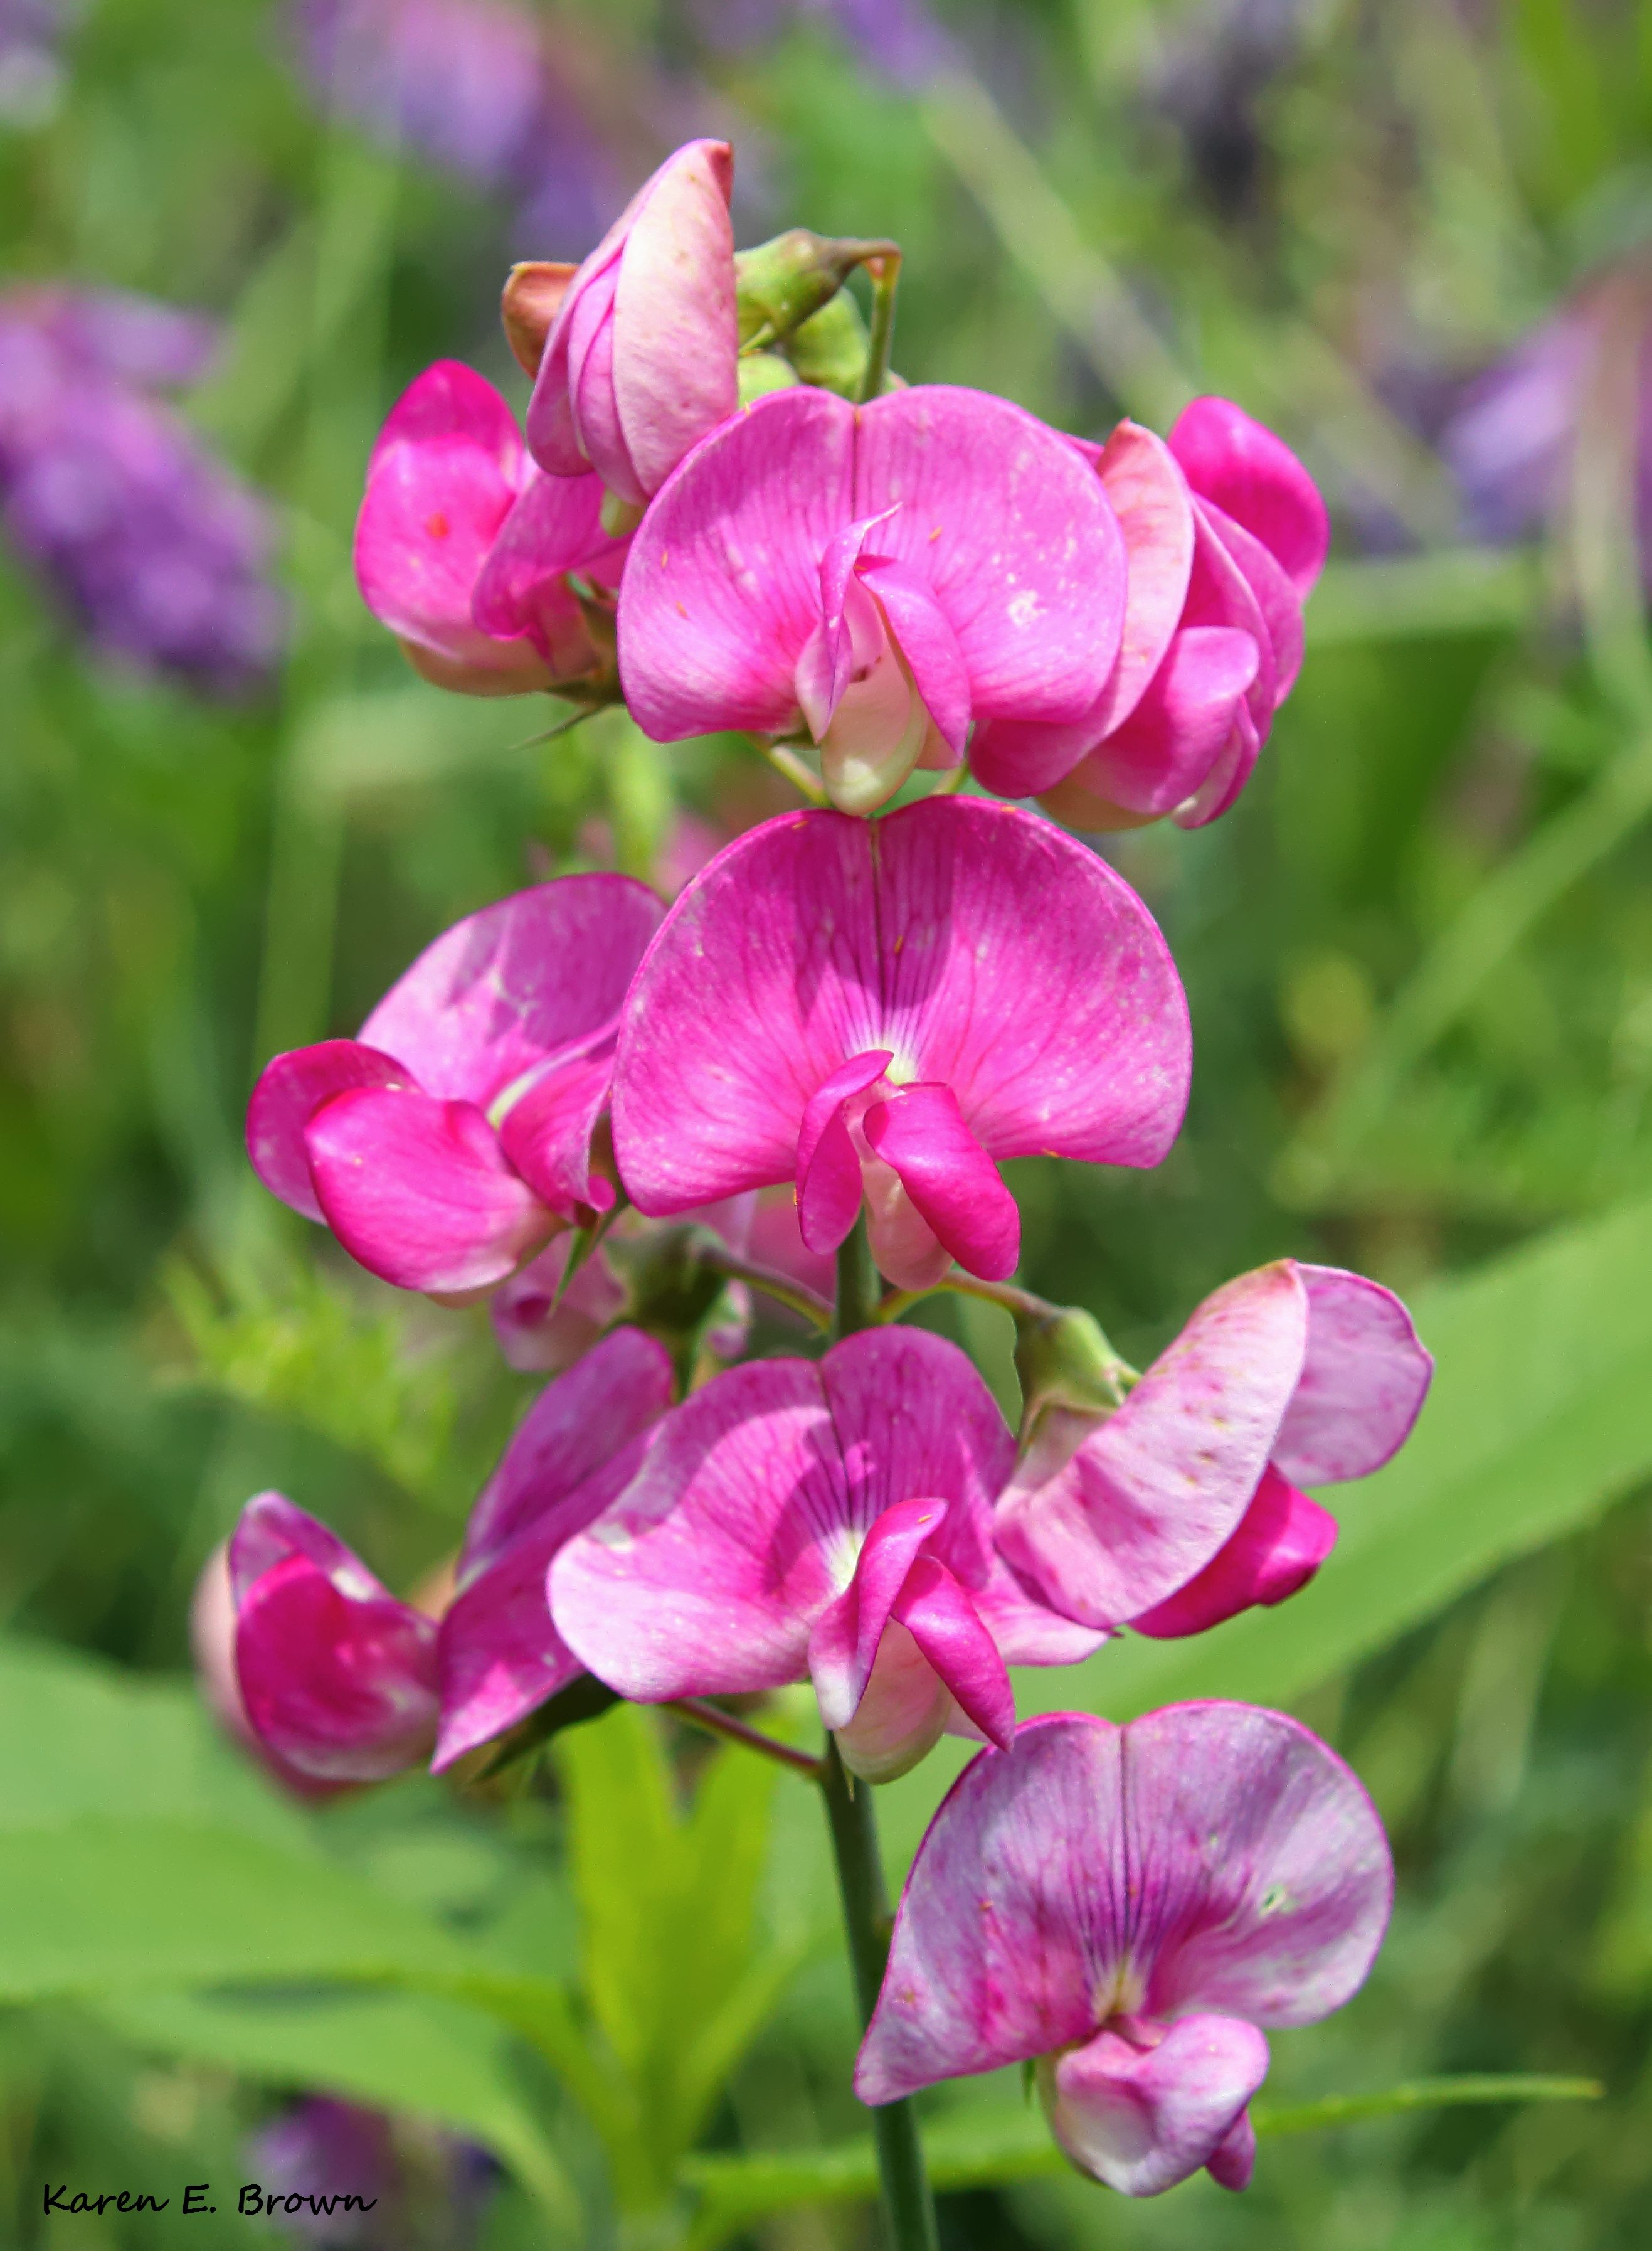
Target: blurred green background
[1419, 956]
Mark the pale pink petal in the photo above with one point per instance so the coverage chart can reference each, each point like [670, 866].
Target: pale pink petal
[945, 1623]
[1208, 1858]
[590, 385]
[1142, 2118]
[577, 1425]
[928, 643]
[1255, 478]
[1282, 1539]
[546, 1134]
[843, 1641]
[337, 1677]
[1012, 531]
[1232, 2161]
[553, 435]
[540, 973]
[828, 1166]
[850, 633]
[1025, 1630]
[291, 1088]
[1362, 1383]
[905, 1249]
[419, 1191]
[1220, 593]
[920, 1134]
[905, 1710]
[1146, 1498]
[987, 951]
[722, 588]
[675, 371]
[1167, 749]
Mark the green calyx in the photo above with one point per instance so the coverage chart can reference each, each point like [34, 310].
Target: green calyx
[794, 313]
[1064, 1360]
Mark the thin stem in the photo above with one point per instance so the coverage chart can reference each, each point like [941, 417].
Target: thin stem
[786, 761]
[885, 271]
[909, 2207]
[857, 1305]
[698, 1713]
[807, 1302]
[1021, 1303]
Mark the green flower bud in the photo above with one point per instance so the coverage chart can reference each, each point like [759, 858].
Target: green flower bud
[762, 372]
[1065, 1360]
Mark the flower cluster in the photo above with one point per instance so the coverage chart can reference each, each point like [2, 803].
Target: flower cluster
[576, 1100]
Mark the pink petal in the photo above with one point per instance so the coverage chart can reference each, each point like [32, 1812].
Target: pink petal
[1276, 598]
[337, 1677]
[903, 1713]
[1143, 2118]
[1207, 1858]
[843, 1640]
[1160, 755]
[722, 591]
[946, 1625]
[291, 1088]
[1149, 496]
[929, 645]
[545, 1327]
[1362, 1383]
[419, 1191]
[546, 1134]
[553, 435]
[849, 634]
[1232, 2161]
[675, 374]
[590, 385]
[1282, 1539]
[985, 950]
[499, 1656]
[443, 478]
[554, 528]
[828, 1166]
[1145, 1499]
[1220, 593]
[919, 1132]
[576, 1426]
[500, 992]
[1255, 478]
[1011, 532]
[1227, 778]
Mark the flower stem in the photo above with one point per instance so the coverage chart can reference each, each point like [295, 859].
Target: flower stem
[909, 2207]
[857, 1305]
[886, 279]
[813, 1308]
[698, 1713]
[1021, 1303]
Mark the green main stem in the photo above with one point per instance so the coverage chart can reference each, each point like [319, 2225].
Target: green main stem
[908, 2207]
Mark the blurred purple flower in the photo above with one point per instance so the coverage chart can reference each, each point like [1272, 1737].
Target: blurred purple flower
[467, 84]
[1509, 443]
[158, 550]
[31, 71]
[897, 39]
[426, 2191]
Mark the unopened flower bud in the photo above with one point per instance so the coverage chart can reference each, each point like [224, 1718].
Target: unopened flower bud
[1065, 1360]
[762, 371]
[781, 283]
[532, 299]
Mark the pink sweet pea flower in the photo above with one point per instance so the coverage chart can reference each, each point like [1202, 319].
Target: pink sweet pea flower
[643, 359]
[1126, 1907]
[881, 575]
[340, 1682]
[445, 1144]
[1225, 535]
[887, 1009]
[463, 548]
[1291, 1374]
[833, 1520]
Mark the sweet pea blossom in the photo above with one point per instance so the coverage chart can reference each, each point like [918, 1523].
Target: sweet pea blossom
[828, 1521]
[1225, 535]
[454, 1136]
[1127, 1909]
[341, 1682]
[885, 1009]
[464, 550]
[643, 358]
[880, 575]
[1292, 1375]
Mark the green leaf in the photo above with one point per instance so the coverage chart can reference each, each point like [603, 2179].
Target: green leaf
[982, 2148]
[398, 2052]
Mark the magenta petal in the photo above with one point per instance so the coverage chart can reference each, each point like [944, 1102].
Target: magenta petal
[1232, 2161]
[1149, 495]
[1165, 750]
[1142, 2118]
[500, 992]
[948, 1627]
[419, 1191]
[722, 588]
[929, 645]
[553, 435]
[849, 632]
[1208, 1858]
[1276, 598]
[1024, 758]
[1147, 1498]
[1362, 1383]
[828, 1166]
[575, 1427]
[843, 1642]
[919, 1132]
[546, 1134]
[554, 528]
[1227, 778]
[985, 950]
[337, 1677]
[1255, 478]
[1282, 1539]
[1012, 531]
[291, 1088]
